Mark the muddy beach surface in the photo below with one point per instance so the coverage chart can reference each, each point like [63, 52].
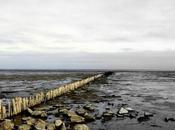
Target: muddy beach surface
[122, 101]
[26, 83]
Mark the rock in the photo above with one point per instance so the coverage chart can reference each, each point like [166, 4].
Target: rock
[24, 127]
[51, 126]
[129, 109]
[29, 111]
[80, 111]
[26, 118]
[133, 115]
[74, 118]
[77, 119]
[108, 114]
[40, 125]
[58, 123]
[53, 112]
[169, 119]
[98, 116]
[143, 118]
[7, 125]
[123, 111]
[63, 111]
[88, 117]
[37, 113]
[148, 114]
[107, 108]
[111, 104]
[63, 127]
[89, 107]
[45, 108]
[59, 105]
[120, 116]
[29, 120]
[81, 127]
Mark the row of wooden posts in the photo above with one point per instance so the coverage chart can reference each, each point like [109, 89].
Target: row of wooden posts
[19, 104]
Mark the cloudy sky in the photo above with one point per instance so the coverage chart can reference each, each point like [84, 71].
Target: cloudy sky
[87, 34]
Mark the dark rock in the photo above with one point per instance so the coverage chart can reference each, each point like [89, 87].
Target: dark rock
[143, 119]
[88, 117]
[89, 107]
[107, 108]
[133, 115]
[63, 111]
[80, 111]
[169, 119]
[98, 116]
[111, 104]
[108, 115]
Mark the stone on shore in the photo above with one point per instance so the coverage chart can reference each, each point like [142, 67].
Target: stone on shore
[81, 127]
[148, 114]
[37, 113]
[88, 117]
[24, 127]
[74, 118]
[40, 125]
[63, 127]
[7, 125]
[108, 114]
[29, 120]
[58, 123]
[51, 126]
[80, 111]
[123, 111]
[89, 107]
[169, 119]
[77, 119]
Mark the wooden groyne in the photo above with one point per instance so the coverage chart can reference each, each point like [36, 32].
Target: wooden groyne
[16, 105]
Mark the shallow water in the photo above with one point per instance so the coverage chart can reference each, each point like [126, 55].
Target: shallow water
[152, 92]
[26, 83]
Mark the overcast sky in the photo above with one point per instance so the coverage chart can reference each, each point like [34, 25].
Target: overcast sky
[87, 34]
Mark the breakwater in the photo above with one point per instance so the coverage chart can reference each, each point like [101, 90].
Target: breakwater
[16, 105]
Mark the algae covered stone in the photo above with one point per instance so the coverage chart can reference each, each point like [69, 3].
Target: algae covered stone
[81, 127]
[7, 125]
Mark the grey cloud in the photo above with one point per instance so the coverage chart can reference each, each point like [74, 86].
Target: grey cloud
[39, 23]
